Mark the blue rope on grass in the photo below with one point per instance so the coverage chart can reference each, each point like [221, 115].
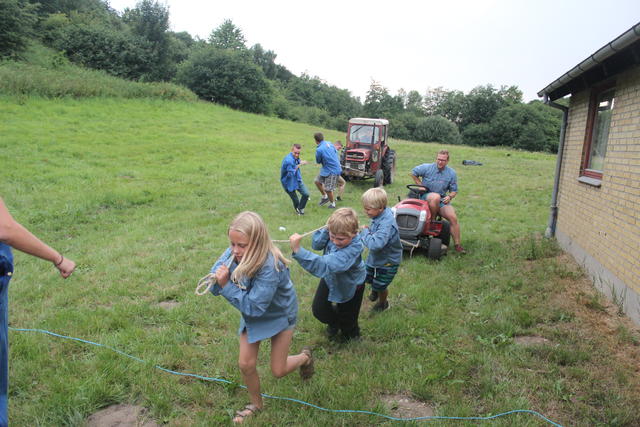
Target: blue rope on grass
[352, 411]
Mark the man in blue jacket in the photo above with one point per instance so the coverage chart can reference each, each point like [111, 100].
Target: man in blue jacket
[327, 179]
[291, 179]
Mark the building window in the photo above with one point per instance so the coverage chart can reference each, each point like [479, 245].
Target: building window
[597, 133]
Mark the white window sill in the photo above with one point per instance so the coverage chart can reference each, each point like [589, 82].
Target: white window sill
[590, 181]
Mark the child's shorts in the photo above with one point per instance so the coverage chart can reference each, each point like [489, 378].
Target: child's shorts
[381, 277]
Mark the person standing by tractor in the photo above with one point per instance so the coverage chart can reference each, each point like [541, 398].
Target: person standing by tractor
[441, 186]
[341, 181]
[291, 179]
[14, 235]
[327, 179]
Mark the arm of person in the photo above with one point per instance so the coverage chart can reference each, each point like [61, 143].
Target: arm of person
[255, 301]
[320, 239]
[15, 235]
[221, 270]
[322, 265]
[447, 199]
[378, 239]
[416, 179]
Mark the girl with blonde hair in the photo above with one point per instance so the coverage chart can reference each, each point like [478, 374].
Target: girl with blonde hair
[252, 274]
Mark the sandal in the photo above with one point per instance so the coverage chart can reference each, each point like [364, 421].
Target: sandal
[248, 411]
[307, 370]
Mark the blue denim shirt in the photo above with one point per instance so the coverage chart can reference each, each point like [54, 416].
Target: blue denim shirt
[327, 156]
[268, 305]
[436, 180]
[341, 268]
[383, 240]
[290, 175]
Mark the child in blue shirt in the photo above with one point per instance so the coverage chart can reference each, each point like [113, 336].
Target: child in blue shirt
[385, 249]
[252, 274]
[341, 270]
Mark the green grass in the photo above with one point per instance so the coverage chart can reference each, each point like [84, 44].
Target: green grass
[139, 193]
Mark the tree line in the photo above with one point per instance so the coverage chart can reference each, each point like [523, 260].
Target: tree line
[138, 45]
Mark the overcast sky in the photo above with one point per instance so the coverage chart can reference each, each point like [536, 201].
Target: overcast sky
[420, 44]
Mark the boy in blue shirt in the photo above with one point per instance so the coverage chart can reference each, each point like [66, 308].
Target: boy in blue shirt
[383, 240]
[341, 270]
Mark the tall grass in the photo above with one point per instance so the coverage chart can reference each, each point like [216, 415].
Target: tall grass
[66, 80]
[140, 191]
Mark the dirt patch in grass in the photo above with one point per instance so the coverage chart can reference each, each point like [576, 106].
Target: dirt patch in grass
[169, 304]
[121, 416]
[527, 340]
[405, 406]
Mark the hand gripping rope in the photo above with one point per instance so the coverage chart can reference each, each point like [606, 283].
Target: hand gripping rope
[209, 280]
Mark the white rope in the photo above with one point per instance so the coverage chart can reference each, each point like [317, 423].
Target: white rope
[304, 235]
[210, 279]
[413, 246]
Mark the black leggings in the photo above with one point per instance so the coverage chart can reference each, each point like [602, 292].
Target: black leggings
[343, 316]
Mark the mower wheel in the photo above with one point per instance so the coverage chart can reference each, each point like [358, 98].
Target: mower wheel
[379, 178]
[435, 248]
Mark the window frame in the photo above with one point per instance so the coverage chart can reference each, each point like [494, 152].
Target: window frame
[596, 92]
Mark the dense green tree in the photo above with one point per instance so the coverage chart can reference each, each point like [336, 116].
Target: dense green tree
[380, 104]
[483, 102]
[445, 103]
[180, 44]
[17, 21]
[105, 48]
[228, 36]
[226, 77]
[403, 126]
[524, 126]
[413, 103]
[313, 92]
[47, 7]
[265, 59]
[437, 129]
[478, 134]
[149, 20]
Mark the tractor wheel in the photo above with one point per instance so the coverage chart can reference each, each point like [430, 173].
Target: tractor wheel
[445, 234]
[379, 178]
[389, 167]
[435, 248]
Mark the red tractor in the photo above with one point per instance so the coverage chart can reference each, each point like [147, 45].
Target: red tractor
[367, 153]
[417, 229]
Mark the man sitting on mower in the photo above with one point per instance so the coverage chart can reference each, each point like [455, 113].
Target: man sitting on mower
[438, 179]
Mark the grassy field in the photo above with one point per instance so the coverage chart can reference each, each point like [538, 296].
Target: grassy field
[140, 192]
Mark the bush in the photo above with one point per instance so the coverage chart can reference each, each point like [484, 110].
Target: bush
[478, 134]
[226, 77]
[104, 48]
[526, 126]
[436, 129]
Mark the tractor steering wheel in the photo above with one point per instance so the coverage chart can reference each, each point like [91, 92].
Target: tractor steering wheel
[417, 188]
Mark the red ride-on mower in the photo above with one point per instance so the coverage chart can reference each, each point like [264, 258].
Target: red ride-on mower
[417, 229]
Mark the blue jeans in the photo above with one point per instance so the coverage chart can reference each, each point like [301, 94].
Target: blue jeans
[6, 270]
[304, 196]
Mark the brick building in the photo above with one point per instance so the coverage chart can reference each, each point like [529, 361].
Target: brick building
[595, 212]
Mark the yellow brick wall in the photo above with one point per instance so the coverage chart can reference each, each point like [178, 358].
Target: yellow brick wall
[604, 221]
